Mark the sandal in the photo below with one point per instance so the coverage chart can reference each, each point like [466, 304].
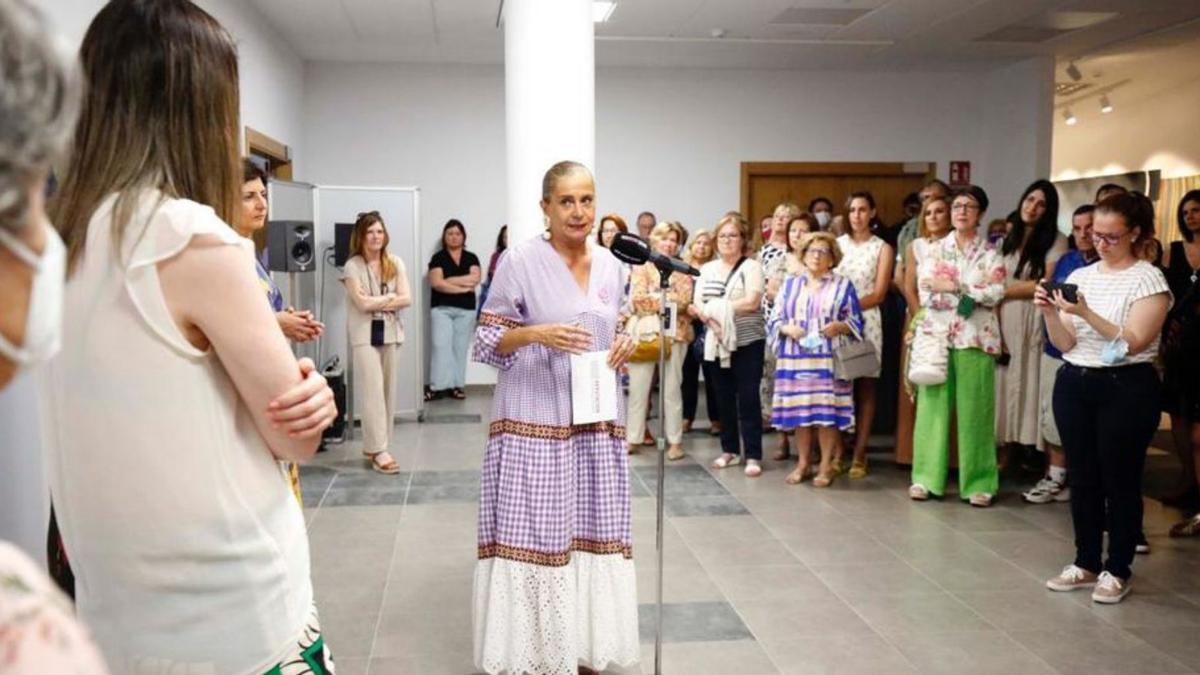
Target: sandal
[858, 470]
[918, 492]
[675, 452]
[648, 439]
[824, 480]
[836, 468]
[798, 475]
[784, 451]
[1186, 528]
[726, 460]
[458, 393]
[431, 395]
[390, 467]
[714, 429]
[981, 500]
[753, 468]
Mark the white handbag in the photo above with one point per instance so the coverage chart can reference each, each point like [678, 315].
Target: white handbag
[929, 355]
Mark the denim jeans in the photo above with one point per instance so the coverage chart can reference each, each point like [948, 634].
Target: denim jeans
[450, 332]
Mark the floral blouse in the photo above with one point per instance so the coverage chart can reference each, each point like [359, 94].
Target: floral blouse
[980, 274]
[38, 631]
[644, 297]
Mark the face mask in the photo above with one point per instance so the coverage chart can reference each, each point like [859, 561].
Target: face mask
[823, 218]
[1114, 351]
[812, 341]
[43, 326]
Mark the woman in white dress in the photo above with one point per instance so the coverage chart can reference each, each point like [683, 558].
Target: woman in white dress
[867, 262]
[1030, 251]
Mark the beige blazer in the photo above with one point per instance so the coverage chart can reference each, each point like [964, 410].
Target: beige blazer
[360, 311]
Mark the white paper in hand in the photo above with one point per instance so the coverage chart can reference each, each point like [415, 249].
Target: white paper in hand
[593, 388]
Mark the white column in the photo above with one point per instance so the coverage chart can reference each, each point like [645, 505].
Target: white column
[549, 90]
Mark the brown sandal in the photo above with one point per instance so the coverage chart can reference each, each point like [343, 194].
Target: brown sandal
[798, 475]
[390, 467]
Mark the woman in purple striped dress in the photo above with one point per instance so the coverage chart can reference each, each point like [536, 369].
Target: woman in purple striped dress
[812, 310]
[554, 586]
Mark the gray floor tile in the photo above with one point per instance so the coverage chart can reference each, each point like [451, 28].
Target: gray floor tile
[838, 655]
[437, 494]
[693, 622]
[853, 580]
[340, 495]
[684, 480]
[424, 478]
[1179, 643]
[716, 505]
[452, 418]
[680, 584]
[718, 556]
[978, 653]
[818, 615]
[350, 665]
[898, 616]
[770, 583]
[744, 657]
[1097, 650]
[1030, 607]
[840, 548]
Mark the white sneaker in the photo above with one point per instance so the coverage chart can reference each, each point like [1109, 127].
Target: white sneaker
[1046, 491]
[1072, 578]
[1110, 589]
[918, 492]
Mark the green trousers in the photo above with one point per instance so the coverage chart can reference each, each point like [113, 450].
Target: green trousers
[970, 391]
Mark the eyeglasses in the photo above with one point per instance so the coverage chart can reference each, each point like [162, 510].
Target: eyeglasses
[819, 252]
[1109, 239]
[729, 236]
[964, 206]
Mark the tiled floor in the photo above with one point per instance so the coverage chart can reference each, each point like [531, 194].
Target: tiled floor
[761, 577]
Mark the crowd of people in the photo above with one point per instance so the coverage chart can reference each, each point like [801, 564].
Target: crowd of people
[142, 311]
[1017, 339]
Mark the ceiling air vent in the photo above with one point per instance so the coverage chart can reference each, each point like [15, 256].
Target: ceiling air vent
[1070, 88]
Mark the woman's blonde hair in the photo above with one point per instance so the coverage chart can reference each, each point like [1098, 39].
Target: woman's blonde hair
[922, 226]
[689, 255]
[660, 230]
[743, 228]
[160, 112]
[827, 237]
[358, 243]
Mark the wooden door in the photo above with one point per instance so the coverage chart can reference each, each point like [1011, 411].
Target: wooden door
[766, 184]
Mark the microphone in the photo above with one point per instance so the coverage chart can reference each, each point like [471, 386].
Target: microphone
[634, 250]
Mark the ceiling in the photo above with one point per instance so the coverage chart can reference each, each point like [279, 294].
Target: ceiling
[791, 34]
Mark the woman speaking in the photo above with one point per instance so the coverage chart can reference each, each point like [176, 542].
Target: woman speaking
[555, 584]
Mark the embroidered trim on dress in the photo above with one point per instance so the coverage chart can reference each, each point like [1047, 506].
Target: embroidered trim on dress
[490, 319]
[524, 555]
[552, 431]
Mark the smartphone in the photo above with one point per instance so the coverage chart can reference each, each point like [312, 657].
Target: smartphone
[1070, 292]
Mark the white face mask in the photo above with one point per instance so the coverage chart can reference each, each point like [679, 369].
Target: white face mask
[43, 326]
[823, 218]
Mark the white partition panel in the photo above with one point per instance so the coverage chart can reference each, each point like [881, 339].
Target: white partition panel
[399, 207]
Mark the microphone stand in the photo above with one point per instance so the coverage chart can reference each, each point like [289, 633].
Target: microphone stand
[664, 275]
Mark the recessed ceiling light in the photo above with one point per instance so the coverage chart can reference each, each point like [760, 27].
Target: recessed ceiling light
[602, 10]
[1069, 117]
[1106, 105]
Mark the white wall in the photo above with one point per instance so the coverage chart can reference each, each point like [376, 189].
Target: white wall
[669, 140]
[272, 74]
[1155, 130]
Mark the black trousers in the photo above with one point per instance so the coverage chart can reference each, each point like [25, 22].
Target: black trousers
[1107, 418]
[692, 365]
[741, 409]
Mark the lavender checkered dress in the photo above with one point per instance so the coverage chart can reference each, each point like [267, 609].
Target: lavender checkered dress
[555, 584]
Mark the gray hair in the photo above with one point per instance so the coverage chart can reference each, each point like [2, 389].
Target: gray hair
[40, 93]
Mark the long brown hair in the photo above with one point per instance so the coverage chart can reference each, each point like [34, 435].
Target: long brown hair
[358, 243]
[161, 112]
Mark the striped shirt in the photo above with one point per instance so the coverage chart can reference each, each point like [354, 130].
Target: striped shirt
[748, 279]
[1111, 294]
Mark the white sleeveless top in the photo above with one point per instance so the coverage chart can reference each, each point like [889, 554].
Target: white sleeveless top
[189, 550]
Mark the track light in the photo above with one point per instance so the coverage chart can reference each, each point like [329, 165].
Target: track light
[1069, 117]
[1073, 72]
[1106, 105]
